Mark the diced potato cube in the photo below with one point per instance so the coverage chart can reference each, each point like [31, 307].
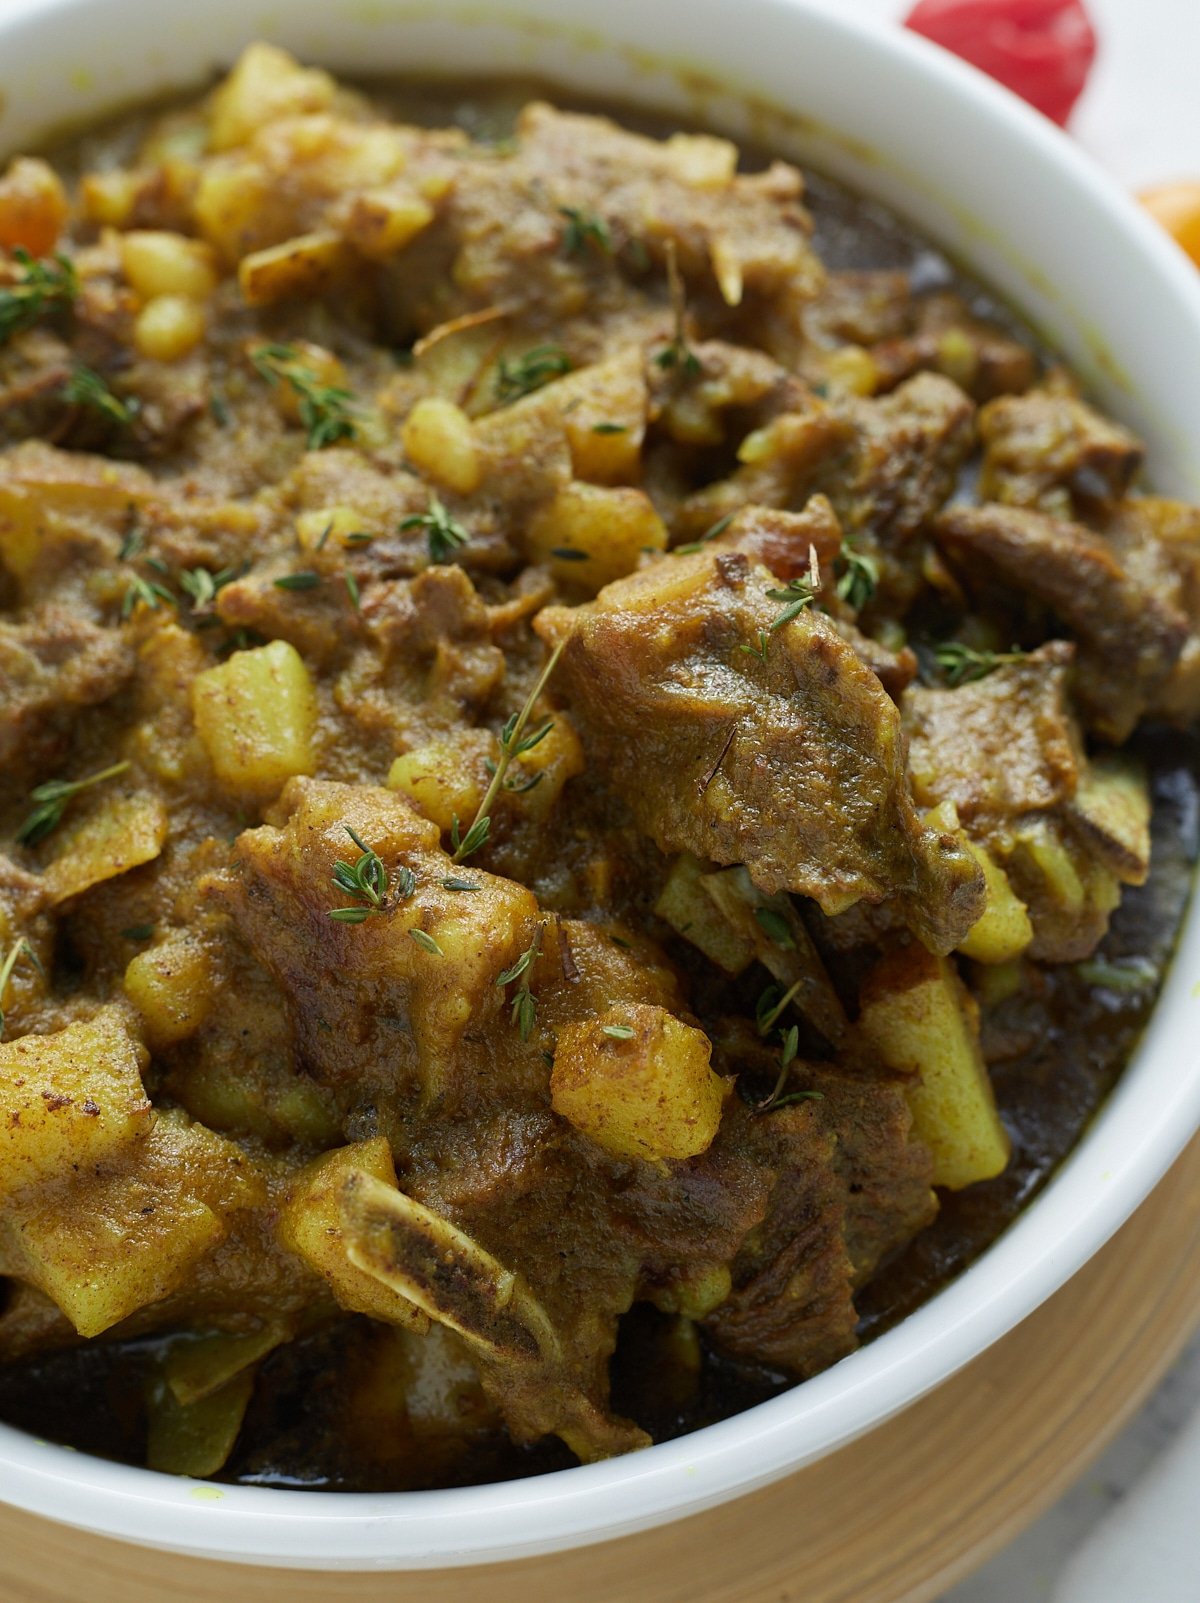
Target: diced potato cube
[918, 1016]
[172, 988]
[256, 715]
[324, 367]
[1003, 930]
[196, 1438]
[307, 266]
[332, 525]
[266, 83]
[545, 769]
[439, 441]
[33, 206]
[69, 1099]
[120, 832]
[310, 1226]
[590, 535]
[198, 1368]
[686, 906]
[168, 328]
[383, 221]
[604, 412]
[702, 160]
[234, 208]
[158, 262]
[108, 198]
[637, 1082]
[128, 1247]
[446, 778]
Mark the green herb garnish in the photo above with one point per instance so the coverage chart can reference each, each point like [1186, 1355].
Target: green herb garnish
[86, 388]
[52, 799]
[610, 428]
[619, 1032]
[529, 372]
[859, 579]
[584, 229]
[306, 579]
[425, 941]
[366, 881]
[201, 586]
[524, 1004]
[146, 593]
[677, 356]
[446, 534]
[775, 927]
[514, 743]
[717, 528]
[40, 288]
[797, 594]
[962, 664]
[327, 411]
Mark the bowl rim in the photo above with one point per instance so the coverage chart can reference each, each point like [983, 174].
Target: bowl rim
[1122, 1154]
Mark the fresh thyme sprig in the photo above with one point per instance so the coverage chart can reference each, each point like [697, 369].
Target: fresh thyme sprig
[773, 1004]
[327, 411]
[797, 594]
[86, 388]
[514, 743]
[52, 799]
[446, 534]
[201, 586]
[367, 882]
[584, 229]
[524, 1003]
[962, 664]
[711, 533]
[19, 949]
[677, 356]
[529, 372]
[41, 287]
[618, 1032]
[145, 592]
[859, 579]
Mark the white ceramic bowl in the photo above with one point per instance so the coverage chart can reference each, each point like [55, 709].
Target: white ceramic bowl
[1013, 198]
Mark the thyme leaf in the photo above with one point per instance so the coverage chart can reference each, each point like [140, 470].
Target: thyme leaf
[40, 288]
[619, 1032]
[529, 372]
[962, 664]
[52, 799]
[86, 388]
[366, 882]
[327, 411]
[859, 579]
[584, 229]
[524, 1004]
[425, 941]
[446, 534]
[19, 949]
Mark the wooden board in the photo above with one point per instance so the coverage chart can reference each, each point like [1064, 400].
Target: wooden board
[895, 1518]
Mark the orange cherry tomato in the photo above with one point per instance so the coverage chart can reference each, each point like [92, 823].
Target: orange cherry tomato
[1177, 208]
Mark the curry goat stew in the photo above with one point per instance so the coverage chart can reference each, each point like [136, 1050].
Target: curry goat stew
[593, 788]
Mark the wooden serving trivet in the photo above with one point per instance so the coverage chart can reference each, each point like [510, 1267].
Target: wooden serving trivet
[894, 1518]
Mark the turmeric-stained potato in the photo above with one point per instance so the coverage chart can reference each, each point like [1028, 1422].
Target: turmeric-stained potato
[69, 1099]
[439, 440]
[446, 778]
[590, 535]
[158, 262]
[33, 207]
[918, 1016]
[172, 987]
[266, 83]
[306, 266]
[119, 833]
[257, 716]
[1003, 930]
[637, 1081]
[310, 1227]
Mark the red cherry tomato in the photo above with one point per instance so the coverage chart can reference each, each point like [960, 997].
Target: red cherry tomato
[1040, 49]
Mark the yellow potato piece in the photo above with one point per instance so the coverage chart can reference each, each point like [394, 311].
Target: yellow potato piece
[257, 717]
[120, 833]
[1003, 930]
[590, 535]
[637, 1082]
[172, 988]
[918, 1016]
[158, 262]
[446, 778]
[265, 84]
[70, 1099]
[439, 441]
[306, 266]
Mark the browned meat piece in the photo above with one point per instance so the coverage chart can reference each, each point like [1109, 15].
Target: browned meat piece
[895, 670]
[860, 308]
[1052, 452]
[499, 237]
[910, 447]
[1007, 753]
[781, 541]
[790, 1304]
[1158, 543]
[1129, 638]
[701, 736]
[1001, 747]
[52, 665]
[945, 338]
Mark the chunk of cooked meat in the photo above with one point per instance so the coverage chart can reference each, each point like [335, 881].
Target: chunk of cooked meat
[1157, 542]
[1053, 453]
[1001, 747]
[1130, 638]
[53, 664]
[700, 734]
